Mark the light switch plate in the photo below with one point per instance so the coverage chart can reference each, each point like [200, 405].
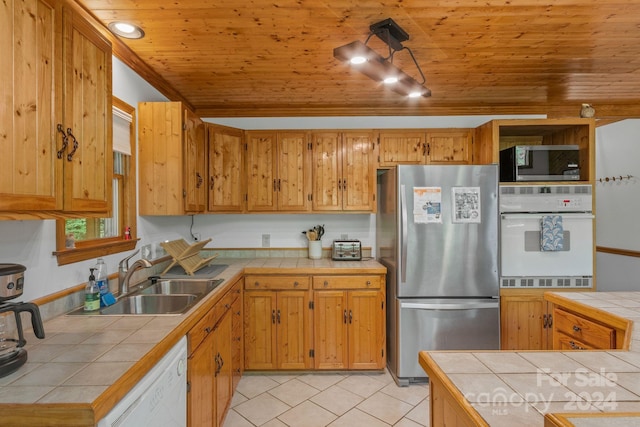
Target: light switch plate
[266, 240]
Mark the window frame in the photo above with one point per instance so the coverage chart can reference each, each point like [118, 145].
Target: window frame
[94, 248]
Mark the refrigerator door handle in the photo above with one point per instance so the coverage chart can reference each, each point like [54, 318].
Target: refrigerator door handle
[403, 225]
[456, 306]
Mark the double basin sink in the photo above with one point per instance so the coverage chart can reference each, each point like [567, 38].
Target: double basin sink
[159, 297]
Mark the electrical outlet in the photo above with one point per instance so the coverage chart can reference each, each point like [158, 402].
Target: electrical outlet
[266, 240]
[145, 252]
[344, 236]
[196, 237]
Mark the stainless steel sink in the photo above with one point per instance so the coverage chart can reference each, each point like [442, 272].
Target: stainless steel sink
[180, 286]
[158, 297]
[151, 304]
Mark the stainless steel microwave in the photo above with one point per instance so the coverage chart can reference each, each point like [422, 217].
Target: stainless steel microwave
[540, 163]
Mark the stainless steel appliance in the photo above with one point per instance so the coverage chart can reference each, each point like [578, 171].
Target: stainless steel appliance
[346, 250]
[437, 234]
[12, 341]
[524, 262]
[540, 163]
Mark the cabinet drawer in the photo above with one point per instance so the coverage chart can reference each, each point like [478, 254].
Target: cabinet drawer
[201, 330]
[565, 342]
[584, 330]
[276, 282]
[347, 282]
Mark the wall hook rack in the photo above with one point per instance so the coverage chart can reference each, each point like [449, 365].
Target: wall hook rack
[615, 178]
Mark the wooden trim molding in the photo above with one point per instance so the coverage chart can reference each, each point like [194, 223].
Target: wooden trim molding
[618, 251]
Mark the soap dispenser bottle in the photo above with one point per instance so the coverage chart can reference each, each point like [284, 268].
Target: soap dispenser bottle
[91, 294]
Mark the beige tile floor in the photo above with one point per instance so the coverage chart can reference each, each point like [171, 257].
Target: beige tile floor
[331, 399]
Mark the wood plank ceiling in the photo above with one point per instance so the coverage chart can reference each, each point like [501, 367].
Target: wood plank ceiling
[248, 58]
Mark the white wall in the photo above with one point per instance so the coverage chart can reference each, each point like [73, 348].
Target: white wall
[618, 204]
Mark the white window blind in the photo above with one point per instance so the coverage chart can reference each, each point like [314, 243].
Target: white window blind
[121, 131]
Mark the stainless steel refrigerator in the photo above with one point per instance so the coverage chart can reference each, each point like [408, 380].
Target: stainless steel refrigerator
[437, 234]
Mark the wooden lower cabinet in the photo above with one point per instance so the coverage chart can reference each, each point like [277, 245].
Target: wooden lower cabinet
[277, 323]
[577, 331]
[211, 366]
[349, 324]
[339, 323]
[525, 320]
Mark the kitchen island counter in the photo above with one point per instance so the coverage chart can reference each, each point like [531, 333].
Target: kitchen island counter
[506, 388]
[86, 364]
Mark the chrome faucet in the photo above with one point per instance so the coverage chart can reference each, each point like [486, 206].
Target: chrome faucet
[125, 272]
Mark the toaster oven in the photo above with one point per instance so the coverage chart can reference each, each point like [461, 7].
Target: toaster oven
[346, 250]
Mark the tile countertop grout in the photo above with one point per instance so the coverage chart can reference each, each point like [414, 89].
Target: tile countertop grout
[105, 347]
[518, 387]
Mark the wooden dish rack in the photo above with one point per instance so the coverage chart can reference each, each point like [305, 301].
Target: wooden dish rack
[186, 255]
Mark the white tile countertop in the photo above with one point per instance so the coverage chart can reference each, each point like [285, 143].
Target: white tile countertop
[508, 388]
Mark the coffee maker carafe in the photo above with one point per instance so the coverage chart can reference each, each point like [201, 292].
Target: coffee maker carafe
[12, 341]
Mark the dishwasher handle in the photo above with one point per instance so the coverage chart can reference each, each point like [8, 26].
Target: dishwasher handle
[492, 304]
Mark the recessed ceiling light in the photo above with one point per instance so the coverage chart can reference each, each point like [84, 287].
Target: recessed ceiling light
[390, 80]
[126, 30]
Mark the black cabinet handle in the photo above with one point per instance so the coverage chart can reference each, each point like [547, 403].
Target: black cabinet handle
[350, 317]
[544, 321]
[278, 316]
[75, 145]
[273, 316]
[577, 328]
[65, 141]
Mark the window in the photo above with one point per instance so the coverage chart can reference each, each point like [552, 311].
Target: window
[80, 239]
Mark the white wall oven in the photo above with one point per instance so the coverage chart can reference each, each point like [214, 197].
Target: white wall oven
[546, 236]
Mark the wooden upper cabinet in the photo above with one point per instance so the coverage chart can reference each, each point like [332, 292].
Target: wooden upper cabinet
[437, 146]
[171, 160]
[278, 172]
[343, 171]
[226, 169]
[56, 126]
[406, 148]
[449, 146]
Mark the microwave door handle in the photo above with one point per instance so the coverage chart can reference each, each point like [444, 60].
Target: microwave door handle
[403, 226]
[455, 306]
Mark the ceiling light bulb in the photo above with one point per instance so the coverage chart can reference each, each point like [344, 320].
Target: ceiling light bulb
[125, 28]
[356, 60]
[391, 80]
[415, 94]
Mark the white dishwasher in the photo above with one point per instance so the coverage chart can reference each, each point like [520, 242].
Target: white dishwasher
[159, 399]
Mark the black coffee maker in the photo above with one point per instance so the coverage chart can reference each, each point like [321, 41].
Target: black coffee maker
[12, 353]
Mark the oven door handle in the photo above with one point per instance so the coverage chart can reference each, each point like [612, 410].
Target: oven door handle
[540, 215]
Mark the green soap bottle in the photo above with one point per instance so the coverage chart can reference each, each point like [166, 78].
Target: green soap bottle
[91, 294]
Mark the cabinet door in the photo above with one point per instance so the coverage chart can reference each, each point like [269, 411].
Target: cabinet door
[226, 171]
[259, 333]
[160, 152]
[358, 172]
[327, 170]
[194, 163]
[294, 173]
[200, 397]
[88, 162]
[223, 371]
[449, 147]
[401, 148]
[261, 169]
[293, 330]
[237, 340]
[32, 56]
[366, 319]
[330, 330]
[524, 322]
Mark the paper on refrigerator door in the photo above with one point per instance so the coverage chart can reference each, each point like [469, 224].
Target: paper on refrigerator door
[466, 205]
[427, 203]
